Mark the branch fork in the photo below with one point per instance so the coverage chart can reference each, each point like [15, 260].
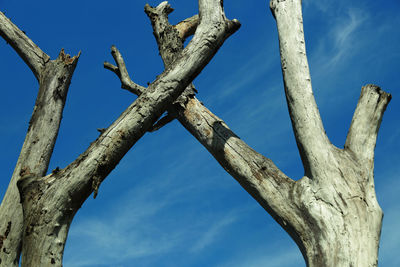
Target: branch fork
[121, 71]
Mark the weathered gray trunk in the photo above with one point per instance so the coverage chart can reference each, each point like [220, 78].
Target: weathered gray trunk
[54, 77]
[332, 212]
[50, 202]
[338, 219]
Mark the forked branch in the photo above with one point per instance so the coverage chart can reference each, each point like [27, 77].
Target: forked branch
[33, 56]
[366, 121]
[54, 78]
[65, 191]
[306, 121]
[257, 174]
[121, 71]
[128, 84]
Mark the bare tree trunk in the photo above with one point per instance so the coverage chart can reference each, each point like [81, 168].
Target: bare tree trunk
[54, 77]
[50, 202]
[332, 212]
[339, 218]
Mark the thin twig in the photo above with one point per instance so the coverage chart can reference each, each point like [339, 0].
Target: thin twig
[122, 73]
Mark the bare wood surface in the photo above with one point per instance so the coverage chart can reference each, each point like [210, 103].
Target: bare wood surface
[54, 77]
[367, 118]
[307, 125]
[51, 202]
[256, 173]
[33, 56]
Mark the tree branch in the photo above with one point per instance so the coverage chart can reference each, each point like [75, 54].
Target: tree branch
[306, 121]
[366, 121]
[33, 56]
[128, 84]
[257, 174]
[65, 191]
[187, 27]
[162, 122]
[163, 32]
[121, 71]
[54, 78]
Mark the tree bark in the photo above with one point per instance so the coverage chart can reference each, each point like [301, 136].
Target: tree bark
[339, 219]
[50, 202]
[54, 77]
[332, 212]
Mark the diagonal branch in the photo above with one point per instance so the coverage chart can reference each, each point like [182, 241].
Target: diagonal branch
[256, 173]
[128, 84]
[187, 27]
[306, 121]
[366, 121]
[33, 56]
[65, 191]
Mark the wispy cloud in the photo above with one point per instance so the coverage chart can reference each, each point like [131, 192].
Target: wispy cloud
[213, 232]
[322, 5]
[154, 219]
[342, 41]
[345, 34]
[141, 233]
[126, 235]
[271, 257]
[242, 79]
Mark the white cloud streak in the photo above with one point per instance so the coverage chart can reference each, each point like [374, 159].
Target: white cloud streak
[145, 223]
[271, 257]
[338, 46]
[213, 232]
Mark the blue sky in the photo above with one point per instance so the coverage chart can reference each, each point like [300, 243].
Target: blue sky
[168, 203]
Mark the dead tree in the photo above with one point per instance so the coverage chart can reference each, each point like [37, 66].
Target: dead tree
[37, 209]
[331, 212]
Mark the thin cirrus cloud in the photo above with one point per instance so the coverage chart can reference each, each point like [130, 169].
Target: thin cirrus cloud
[276, 256]
[152, 219]
[342, 41]
[213, 232]
[233, 84]
[136, 232]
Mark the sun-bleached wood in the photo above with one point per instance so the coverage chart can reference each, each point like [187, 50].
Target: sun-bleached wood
[332, 212]
[306, 121]
[50, 202]
[54, 77]
[364, 127]
[257, 174]
[339, 220]
[122, 72]
[33, 56]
